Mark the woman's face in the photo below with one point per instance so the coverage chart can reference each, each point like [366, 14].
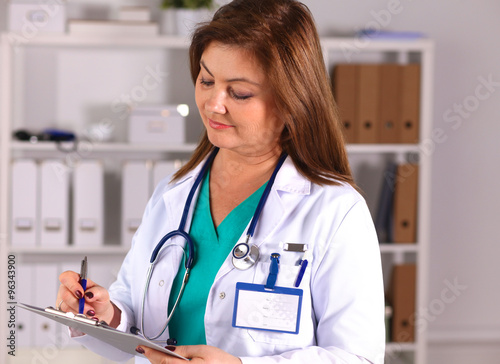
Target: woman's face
[235, 101]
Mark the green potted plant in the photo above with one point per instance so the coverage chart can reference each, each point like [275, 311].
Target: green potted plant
[186, 4]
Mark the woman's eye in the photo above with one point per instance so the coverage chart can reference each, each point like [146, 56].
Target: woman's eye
[238, 96]
[206, 82]
[235, 95]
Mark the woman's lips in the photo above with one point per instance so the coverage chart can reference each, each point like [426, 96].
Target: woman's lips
[215, 125]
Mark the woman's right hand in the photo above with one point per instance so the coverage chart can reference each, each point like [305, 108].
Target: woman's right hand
[97, 301]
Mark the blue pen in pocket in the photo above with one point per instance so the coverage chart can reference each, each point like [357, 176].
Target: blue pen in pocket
[83, 282]
[303, 265]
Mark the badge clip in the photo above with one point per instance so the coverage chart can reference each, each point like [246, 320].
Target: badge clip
[273, 271]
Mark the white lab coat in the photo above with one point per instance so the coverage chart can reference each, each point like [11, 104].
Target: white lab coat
[342, 318]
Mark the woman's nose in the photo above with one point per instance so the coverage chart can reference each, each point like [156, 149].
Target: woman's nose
[215, 102]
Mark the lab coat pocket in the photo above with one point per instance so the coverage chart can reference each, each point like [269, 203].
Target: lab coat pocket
[286, 278]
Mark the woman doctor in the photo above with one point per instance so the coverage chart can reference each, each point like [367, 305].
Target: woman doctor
[265, 101]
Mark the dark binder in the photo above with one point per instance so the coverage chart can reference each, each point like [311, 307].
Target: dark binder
[385, 208]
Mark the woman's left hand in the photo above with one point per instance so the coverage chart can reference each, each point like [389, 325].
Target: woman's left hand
[199, 354]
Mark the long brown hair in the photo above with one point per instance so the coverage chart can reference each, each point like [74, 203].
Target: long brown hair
[283, 37]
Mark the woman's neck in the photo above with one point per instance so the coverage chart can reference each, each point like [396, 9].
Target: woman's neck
[233, 178]
[230, 166]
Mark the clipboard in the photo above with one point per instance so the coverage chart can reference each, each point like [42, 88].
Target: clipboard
[121, 340]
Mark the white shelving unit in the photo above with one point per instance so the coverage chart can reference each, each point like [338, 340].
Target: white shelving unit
[403, 52]
[334, 51]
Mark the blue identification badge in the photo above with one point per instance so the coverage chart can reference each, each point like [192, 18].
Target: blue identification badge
[268, 307]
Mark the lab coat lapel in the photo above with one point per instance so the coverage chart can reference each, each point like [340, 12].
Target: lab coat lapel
[175, 197]
[287, 191]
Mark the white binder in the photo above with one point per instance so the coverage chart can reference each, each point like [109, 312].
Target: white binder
[164, 169]
[54, 203]
[135, 195]
[25, 322]
[88, 203]
[45, 286]
[24, 203]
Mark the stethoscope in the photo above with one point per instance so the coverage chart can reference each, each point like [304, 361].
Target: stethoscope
[244, 256]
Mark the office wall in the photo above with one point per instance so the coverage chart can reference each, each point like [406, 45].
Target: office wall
[462, 321]
[3, 15]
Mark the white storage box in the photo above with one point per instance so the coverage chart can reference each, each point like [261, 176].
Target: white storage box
[33, 17]
[158, 124]
[134, 13]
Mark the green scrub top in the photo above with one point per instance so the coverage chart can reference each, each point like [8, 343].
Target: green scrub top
[212, 247]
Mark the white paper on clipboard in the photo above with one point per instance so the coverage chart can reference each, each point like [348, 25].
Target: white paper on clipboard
[119, 339]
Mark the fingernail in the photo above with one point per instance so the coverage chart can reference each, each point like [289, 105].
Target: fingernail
[89, 294]
[95, 319]
[139, 350]
[170, 347]
[90, 313]
[78, 294]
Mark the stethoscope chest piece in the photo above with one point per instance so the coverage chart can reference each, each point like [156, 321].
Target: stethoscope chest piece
[245, 256]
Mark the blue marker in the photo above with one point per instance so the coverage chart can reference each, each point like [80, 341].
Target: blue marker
[83, 282]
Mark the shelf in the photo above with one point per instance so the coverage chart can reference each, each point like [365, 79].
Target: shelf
[69, 250]
[398, 248]
[400, 347]
[96, 41]
[384, 248]
[103, 147]
[383, 148]
[190, 147]
[367, 44]
[179, 42]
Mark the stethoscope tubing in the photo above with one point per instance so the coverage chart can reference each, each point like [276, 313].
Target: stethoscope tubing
[180, 231]
[189, 261]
